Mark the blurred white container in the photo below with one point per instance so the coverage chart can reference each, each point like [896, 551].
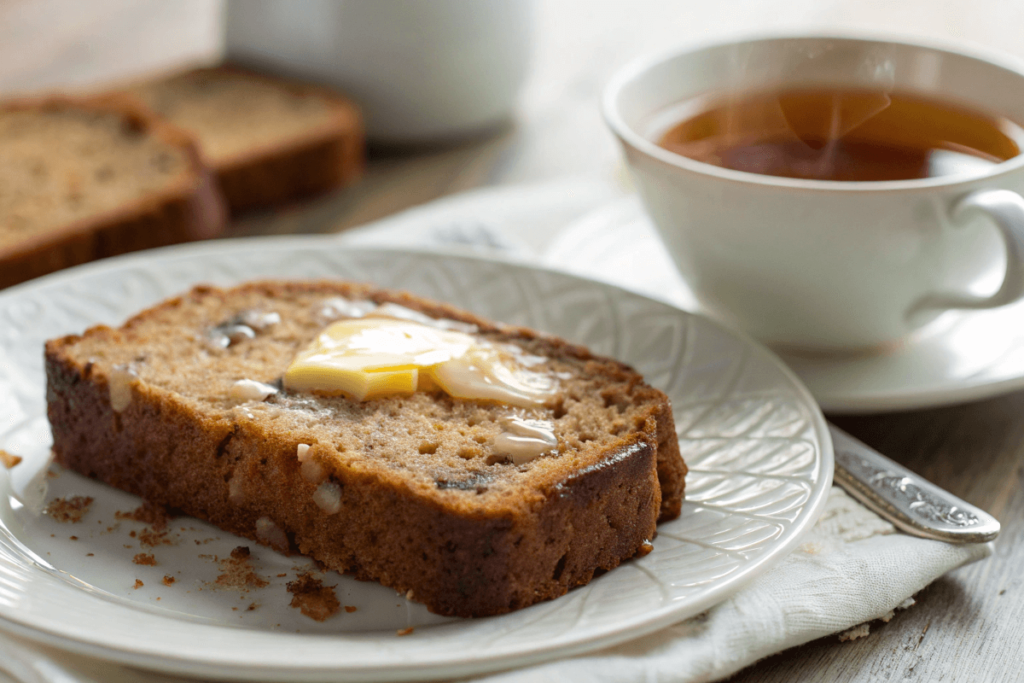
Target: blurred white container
[421, 70]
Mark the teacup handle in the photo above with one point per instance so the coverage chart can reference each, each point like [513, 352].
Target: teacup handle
[1006, 209]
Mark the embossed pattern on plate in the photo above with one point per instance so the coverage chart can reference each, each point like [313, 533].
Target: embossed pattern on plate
[759, 452]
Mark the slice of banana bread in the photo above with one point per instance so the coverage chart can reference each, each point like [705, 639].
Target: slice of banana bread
[184, 406]
[82, 179]
[271, 141]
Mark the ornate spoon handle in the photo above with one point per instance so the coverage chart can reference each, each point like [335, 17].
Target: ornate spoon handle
[911, 503]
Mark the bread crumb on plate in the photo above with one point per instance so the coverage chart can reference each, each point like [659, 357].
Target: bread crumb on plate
[313, 598]
[9, 460]
[68, 510]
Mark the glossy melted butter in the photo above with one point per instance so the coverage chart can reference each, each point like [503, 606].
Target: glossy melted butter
[525, 440]
[375, 357]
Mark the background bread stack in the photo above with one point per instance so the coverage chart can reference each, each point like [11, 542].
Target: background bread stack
[162, 162]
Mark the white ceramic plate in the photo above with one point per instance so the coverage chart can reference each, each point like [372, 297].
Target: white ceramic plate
[962, 356]
[760, 457]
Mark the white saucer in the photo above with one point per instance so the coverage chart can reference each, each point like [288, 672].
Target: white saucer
[963, 356]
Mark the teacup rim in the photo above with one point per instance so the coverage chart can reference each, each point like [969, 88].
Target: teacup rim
[637, 66]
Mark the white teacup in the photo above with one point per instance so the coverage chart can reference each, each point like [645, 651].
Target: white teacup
[820, 264]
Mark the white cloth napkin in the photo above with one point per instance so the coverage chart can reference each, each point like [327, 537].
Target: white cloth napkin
[852, 568]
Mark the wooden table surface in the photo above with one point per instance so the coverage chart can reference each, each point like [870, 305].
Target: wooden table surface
[967, 626]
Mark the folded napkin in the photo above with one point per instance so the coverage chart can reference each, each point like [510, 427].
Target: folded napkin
[852, 567]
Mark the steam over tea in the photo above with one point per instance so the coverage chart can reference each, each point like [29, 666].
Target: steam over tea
[841, 134]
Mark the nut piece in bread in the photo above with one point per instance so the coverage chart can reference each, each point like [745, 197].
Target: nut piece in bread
[407, 490]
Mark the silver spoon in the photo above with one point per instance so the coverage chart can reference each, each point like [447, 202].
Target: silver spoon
[912, 503]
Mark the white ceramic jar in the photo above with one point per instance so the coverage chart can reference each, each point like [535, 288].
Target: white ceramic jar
[422, 71]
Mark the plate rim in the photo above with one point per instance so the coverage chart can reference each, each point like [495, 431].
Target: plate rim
[148, 658]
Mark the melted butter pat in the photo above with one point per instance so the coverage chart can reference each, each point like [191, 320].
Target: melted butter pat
[374, 357]
[340, 307]
[525, 440]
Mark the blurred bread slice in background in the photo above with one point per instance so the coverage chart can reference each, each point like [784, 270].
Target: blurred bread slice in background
[270, 141]
[86, 178]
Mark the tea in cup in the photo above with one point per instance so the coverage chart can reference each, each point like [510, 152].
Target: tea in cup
[830, 193]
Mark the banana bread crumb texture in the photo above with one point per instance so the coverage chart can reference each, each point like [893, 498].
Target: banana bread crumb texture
[270, 140]
[82, 179]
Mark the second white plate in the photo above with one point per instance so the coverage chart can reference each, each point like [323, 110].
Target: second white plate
[759, 452]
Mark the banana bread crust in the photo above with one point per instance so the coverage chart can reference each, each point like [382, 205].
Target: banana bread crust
[189, 209]
[458, 559]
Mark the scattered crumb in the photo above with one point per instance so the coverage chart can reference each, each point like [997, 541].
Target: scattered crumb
[313, 598]
[157, 517]
[145, 559]
[158, 598]
[89, 555]
[409, 594]
[73, 538]
[52, 474]
[237, 573]
[129, 546]
[154, 515]
[281, 576]
[149, 538]
[405, 631]
[9, 460]
[906, 604]
[645, 549]
[234, 609]
[68, 509]
[169, 580]
[810, 548]
[350, 608]
[252, 607]
[138, 584]
[854, 633]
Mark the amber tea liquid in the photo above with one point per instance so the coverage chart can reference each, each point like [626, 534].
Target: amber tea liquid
[842, 134]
